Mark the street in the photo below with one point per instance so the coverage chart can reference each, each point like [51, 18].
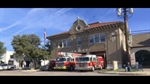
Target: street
[51, 73]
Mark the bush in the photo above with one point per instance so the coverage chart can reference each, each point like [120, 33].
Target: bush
[38, 67]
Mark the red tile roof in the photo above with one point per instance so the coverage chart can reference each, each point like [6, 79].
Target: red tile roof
[92, 25]
[67, 32]
[97, 24]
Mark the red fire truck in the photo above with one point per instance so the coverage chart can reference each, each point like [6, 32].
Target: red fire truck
[89, 62]
[66, 61]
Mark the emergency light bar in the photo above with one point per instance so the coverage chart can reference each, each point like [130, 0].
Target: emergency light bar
[67, 54]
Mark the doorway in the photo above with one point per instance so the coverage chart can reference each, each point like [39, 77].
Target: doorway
[103, 54]
[143, 57]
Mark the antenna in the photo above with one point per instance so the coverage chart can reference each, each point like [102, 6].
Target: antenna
[131, 10]
[78, 20]
[119, 11]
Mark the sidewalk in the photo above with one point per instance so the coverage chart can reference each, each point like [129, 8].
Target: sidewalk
[145, 72]
[31, 70]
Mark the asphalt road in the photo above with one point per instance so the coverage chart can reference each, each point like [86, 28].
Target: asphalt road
[51, 73]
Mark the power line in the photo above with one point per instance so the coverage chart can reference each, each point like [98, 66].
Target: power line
[141, 30]
[101, 14]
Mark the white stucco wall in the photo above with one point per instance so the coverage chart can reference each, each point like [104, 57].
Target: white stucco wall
[6, 56]
[44, 62]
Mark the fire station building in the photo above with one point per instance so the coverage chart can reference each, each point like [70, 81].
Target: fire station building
[100, 38]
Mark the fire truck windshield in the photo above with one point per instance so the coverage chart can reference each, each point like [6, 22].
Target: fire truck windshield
[61, 59]
[83, 59]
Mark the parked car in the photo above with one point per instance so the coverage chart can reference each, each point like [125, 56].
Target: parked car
[1, 67]
[11, 67]
[44, 68]
[7, 67]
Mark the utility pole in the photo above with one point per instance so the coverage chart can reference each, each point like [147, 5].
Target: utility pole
[125, 11]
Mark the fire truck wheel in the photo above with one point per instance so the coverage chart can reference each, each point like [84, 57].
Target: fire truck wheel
[93, 68]
[49, 69]
[71, 68]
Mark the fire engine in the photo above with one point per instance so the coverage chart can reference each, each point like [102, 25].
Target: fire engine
[66, 61]
[52, 63]
[89, 62]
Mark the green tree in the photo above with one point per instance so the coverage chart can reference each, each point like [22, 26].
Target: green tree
[29, 45]
[48, 48]
[2, 49]
[48, 45]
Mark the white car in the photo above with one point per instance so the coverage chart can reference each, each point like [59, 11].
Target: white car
[1, 67]
[11, 67]
[6, 67]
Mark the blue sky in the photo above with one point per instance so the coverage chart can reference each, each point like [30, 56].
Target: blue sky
[14, 21]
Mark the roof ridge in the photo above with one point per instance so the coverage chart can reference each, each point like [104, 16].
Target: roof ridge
[103, 22]
[112, 22]
[94, 23]
[91, 25]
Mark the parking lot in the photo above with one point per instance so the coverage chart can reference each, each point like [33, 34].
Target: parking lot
[51, 73]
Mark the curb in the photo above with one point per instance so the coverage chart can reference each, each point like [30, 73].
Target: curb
[30, 70]
[126, 73]
[144, 74]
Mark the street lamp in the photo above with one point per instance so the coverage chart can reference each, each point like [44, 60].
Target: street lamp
[120, 12]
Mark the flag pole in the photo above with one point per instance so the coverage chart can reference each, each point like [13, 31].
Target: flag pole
[44, 43]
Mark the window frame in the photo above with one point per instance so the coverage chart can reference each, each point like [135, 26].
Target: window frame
[90, 39]
[59, 44]
[101, 38]
[64, 43]
[99, 35]
[68, 40]
[78, 42]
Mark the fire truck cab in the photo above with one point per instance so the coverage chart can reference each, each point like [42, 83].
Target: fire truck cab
[66, 61]
[52, 63]
[89, 62]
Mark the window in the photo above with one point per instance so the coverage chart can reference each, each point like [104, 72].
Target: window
[65, 43]
[11, 56]
[68, 59]
[102, 37]
[68, 42]
[79, 41]
[96, 38]
[60, 44]
[90, 58]
[94, 59]
[72, 60]
[61, 59]
[91, 39]
[83, 59]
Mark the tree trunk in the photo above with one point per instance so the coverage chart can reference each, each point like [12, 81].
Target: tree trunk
[33, 64]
